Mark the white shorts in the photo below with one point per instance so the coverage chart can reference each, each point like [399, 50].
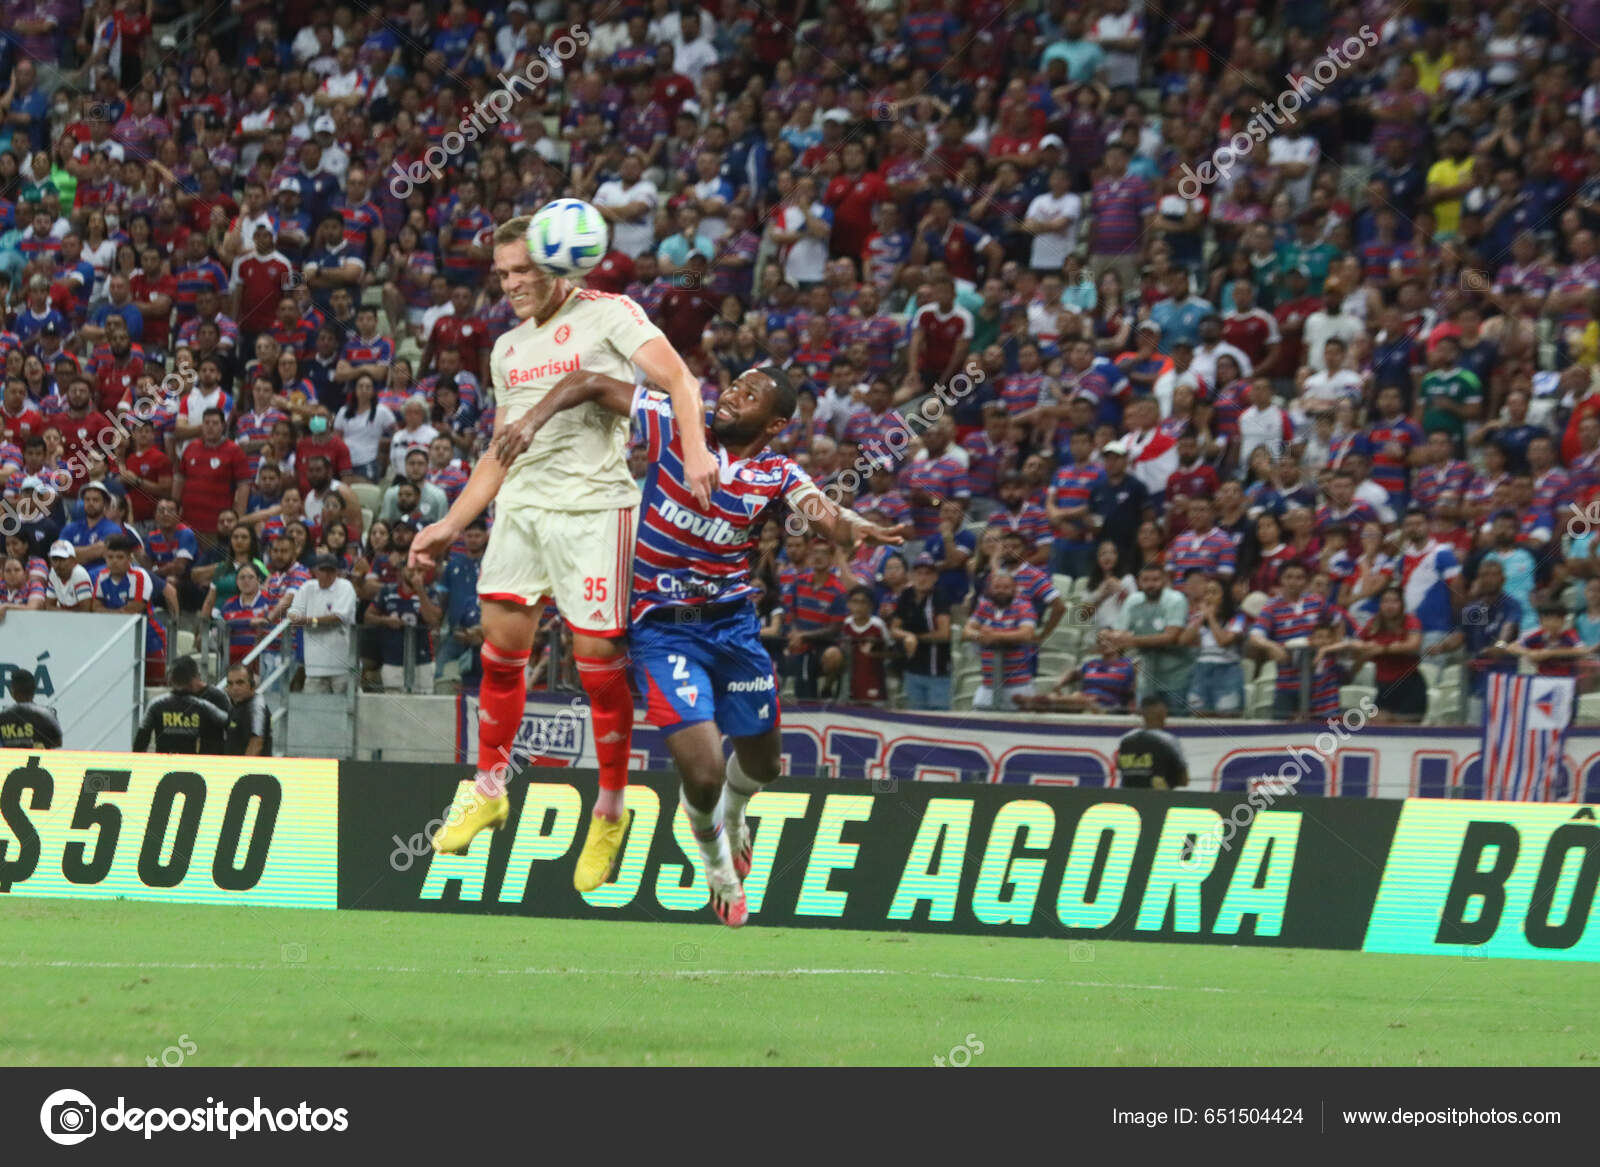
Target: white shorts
[583, 560]
[985, 697]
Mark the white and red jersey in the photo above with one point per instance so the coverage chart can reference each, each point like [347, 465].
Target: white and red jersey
[688, 555]
[1152, 457]
[940, 333]
[1251, 332]
[579, 460]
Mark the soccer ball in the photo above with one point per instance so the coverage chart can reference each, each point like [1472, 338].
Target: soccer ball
[567, 237]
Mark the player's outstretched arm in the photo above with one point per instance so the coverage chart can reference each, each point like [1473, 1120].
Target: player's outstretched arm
[571, 391]
[844, 527]
[664, 367]
[434, 541]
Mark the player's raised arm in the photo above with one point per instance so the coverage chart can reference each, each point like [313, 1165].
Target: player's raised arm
[842, 526]
[430, 544]
[571, 391]
[663, 366]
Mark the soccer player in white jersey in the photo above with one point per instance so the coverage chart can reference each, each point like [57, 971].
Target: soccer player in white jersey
[565, 509]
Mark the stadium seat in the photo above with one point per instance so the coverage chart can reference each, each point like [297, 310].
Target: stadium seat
[1589, 708]
[368, 495]
[1366, 675]
[1444, 707]
[366, 519]
[1352, 695]
[183, 642]
[1053, 663]
[1064, 584]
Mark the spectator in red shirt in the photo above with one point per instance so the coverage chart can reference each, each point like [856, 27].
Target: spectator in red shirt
[214, 476]
[259, 281]
[688, 305]
[320, 440]
[19, 420]
[1392, 641]
[854, 196]
[146, 472]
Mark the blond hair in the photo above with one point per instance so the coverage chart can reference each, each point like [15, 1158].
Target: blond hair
[512, 230]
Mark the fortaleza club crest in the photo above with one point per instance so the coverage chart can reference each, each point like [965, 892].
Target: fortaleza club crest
[563, 333]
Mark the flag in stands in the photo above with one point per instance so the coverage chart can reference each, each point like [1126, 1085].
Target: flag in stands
[1524, 736]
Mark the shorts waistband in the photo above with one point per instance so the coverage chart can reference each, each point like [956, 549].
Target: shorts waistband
[691, 613]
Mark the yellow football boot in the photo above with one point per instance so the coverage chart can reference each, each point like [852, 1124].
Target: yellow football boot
[470, 813]
[598, 861]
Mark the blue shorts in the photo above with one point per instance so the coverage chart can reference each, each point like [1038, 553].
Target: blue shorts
[691, 670]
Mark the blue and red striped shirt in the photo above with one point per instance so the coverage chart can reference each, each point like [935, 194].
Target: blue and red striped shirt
[689, 556]
[1282, 621]
[1005, 664]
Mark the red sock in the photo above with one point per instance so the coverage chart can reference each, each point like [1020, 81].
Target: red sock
[501, 697]
[611, 713]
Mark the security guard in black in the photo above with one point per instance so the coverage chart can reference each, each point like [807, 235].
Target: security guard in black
[26, 726]
[182, 722]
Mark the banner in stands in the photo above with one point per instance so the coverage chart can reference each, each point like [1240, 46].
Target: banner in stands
[886, 747]
[252, 831]
[87, 667]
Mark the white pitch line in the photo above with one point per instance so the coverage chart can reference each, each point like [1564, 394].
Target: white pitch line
[614, 972]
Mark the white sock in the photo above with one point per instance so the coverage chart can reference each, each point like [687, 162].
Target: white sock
[737, 790]
[708, 833]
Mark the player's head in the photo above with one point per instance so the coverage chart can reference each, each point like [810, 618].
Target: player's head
[755, 408]
[526, 287]
[21, 686]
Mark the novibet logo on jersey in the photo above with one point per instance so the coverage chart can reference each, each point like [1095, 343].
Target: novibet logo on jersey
[69, 1117]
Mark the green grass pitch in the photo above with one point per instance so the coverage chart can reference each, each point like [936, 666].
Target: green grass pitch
[91, 983]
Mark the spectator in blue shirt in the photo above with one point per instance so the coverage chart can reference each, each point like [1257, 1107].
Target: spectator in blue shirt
[457, 593]
[89, 534]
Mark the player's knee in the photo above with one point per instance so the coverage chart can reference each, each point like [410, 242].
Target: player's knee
[702, 786]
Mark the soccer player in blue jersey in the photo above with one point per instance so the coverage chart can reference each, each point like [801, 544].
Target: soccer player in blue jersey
[696, 638]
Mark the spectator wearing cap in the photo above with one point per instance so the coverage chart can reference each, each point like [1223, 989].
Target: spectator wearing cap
[1004, 627]
[325, 606]
[1117, 500]
[89, 535]
[70, 585]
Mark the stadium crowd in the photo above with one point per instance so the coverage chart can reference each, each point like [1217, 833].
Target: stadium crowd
[1135, 342]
